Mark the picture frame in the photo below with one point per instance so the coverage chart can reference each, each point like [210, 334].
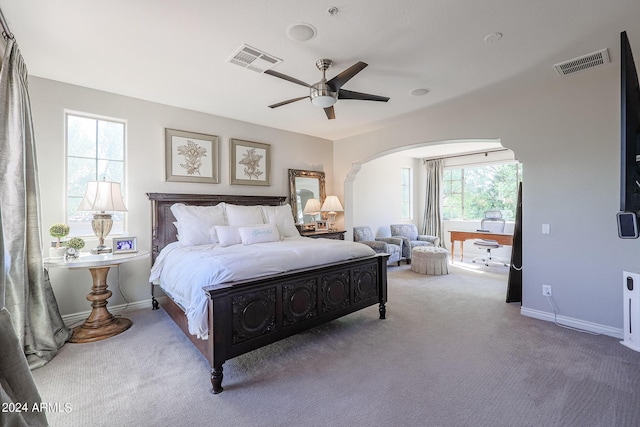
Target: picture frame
[250, 162]
[322, 225]
[125, 245]
[191, 156]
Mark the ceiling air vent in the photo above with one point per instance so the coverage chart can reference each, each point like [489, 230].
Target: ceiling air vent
[582, 63]
[253, 59]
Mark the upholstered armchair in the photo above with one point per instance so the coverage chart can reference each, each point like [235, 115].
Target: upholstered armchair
[389, 245]
[410, 238]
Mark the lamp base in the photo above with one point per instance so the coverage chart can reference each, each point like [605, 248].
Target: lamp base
[101, 250]
[332, 221]
[101, 225]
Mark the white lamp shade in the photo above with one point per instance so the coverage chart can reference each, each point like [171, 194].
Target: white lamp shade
[312, 207]
[332, 204]
[102, 196]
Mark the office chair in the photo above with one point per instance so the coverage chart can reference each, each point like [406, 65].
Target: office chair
[492, 223]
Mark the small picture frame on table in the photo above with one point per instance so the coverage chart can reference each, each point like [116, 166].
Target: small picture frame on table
[321, 225]
[125, 245]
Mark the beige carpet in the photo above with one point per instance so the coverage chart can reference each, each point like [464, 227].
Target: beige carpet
[450, 353]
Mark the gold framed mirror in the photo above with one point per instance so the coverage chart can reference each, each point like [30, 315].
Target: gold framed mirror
[304, 186]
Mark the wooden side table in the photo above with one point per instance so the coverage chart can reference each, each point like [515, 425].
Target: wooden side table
[324, 234]
[100, 324]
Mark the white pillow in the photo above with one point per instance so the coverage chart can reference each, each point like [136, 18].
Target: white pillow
[259, 234]
[282, 217]
[213, 235]
[194, 222]
[243, 215]
[228, 235]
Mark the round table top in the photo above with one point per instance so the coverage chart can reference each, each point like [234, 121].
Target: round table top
[88, 260]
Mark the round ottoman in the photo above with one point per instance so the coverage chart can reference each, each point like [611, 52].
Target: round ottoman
[430, 260]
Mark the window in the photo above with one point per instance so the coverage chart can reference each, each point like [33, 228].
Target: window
[469, 192]
[95, 150]
[407, 193]
[452, 200]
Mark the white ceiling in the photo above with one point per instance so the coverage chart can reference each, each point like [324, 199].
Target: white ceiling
[175, 52]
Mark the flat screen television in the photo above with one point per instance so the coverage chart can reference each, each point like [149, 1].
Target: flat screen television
[630, 137]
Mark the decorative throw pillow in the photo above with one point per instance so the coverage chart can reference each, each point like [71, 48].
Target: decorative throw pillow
[243, 215]
[194, 222]
[259, 234]
[228, 235]
[282, 217]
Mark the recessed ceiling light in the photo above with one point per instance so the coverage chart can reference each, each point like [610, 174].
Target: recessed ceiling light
[301, 32]
[419, 92]
[493, 37]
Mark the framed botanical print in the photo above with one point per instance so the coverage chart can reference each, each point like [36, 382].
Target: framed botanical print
[250, 162]
[191, 156]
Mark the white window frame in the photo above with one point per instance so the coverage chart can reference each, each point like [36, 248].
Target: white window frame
[477, 165]
[410, 193]
[123, 184]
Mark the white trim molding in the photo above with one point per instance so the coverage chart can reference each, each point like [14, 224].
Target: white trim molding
[574, 323]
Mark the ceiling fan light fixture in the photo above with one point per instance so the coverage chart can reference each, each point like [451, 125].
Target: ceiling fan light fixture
[323, 101]
[321, 95]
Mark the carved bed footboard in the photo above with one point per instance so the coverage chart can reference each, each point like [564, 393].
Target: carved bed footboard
[250, 314]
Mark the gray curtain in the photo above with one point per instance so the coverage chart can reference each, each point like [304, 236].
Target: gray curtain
[432, 221]
[25, 289]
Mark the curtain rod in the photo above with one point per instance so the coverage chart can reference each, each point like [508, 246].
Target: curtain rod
[6, 32]
[475, 153]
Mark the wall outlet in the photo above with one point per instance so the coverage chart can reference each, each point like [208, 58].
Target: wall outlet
[546, 290]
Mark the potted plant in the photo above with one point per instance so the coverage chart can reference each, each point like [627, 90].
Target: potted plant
[73, 247]
[58, 231]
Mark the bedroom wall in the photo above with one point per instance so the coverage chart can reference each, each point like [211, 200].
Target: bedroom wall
[567, 136]
[145, 172]
[377, 198]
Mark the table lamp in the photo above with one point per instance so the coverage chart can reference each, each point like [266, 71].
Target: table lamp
[332, 205]
[312, 207]
[100, 197]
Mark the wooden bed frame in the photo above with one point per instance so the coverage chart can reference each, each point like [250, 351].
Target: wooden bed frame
[249, 314]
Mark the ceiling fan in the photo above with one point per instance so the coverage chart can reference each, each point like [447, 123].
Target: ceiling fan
[326, 93]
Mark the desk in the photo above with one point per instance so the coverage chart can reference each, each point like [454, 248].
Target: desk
[461, 236]
[100, 324]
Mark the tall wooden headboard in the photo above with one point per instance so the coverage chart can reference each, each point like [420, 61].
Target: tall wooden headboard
[163, 231]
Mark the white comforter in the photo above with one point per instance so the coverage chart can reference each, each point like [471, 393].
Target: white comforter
[183, 271]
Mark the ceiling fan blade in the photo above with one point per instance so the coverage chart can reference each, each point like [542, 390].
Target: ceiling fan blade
[287, 78]
[337, 82]
[330, 112]
[288, 101]
[348, 94]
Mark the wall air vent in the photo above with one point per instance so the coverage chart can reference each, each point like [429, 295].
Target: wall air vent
[253, 59]
[582, 63]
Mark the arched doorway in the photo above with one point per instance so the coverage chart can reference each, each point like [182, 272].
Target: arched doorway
[431, 149]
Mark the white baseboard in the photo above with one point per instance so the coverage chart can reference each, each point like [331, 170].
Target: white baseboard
[75, 318]
[574, 323]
